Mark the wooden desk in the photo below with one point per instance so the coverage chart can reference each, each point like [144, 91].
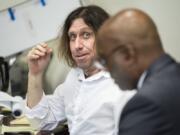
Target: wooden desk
[21, 125]
[17, 127]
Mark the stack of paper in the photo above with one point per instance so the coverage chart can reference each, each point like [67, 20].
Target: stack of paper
[12, 104]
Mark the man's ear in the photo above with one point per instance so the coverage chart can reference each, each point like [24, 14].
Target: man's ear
[129, 53]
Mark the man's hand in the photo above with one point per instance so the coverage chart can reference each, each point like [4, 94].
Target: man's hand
[38, 59]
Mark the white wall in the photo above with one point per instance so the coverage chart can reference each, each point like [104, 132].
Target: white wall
[4, 4]
[33, 24]
[166, 14]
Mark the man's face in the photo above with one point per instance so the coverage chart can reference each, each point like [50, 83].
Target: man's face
[82, 43]
[115, 57]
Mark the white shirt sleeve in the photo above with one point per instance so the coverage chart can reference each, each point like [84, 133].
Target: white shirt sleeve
[48, 112]
[124, 97]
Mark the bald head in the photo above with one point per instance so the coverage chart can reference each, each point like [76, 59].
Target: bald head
[131, 25]
[132, 35]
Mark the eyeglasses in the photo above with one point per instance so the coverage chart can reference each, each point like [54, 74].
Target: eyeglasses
[102, 63]
[99, 64]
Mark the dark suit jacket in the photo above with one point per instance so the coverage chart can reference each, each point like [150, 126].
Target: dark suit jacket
[155, 109]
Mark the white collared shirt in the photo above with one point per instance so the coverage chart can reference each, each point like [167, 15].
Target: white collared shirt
[92, 106]
[141, 80]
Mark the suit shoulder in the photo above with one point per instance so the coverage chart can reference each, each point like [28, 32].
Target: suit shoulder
[142, 116]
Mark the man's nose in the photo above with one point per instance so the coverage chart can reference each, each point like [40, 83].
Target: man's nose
[78, 43]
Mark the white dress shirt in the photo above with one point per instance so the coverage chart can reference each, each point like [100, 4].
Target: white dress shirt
[141, 80]
[91, 106]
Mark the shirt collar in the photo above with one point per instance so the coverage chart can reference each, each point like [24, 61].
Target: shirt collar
[94, 77]
[141, 80]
